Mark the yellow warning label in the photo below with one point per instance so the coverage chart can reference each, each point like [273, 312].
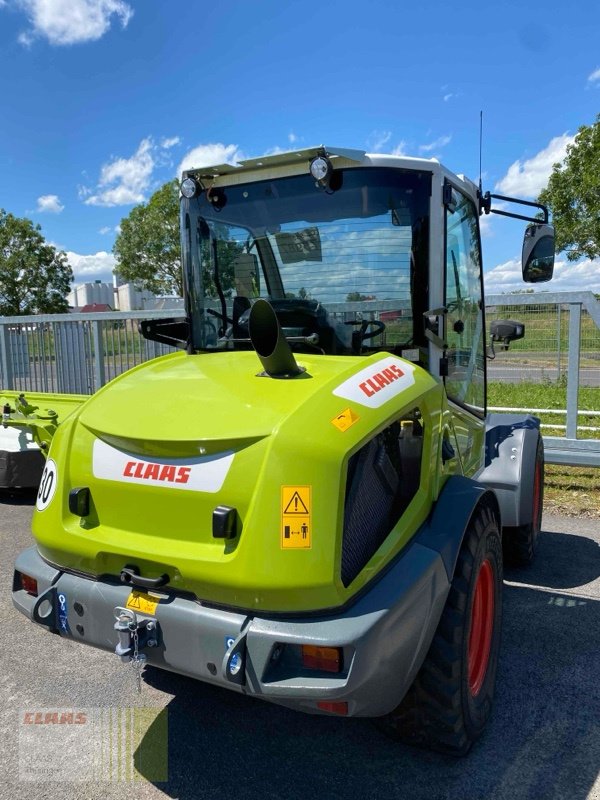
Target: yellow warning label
[296, 526]
[345, 420]
[142, 602]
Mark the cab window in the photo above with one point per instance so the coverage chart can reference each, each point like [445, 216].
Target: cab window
[465, 383]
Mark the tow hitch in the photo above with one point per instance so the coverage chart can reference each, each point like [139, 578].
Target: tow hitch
[134, 635]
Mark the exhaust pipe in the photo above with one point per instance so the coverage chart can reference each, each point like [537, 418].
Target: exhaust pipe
[269, 342]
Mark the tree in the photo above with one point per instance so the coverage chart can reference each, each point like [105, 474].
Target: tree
[148, 250]
[353, 297]
[573, 195]
[35, 278]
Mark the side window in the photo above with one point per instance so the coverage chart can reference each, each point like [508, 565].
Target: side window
[464, 322]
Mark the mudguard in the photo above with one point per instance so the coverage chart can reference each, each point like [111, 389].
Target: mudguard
[510, 452]
[445, 529]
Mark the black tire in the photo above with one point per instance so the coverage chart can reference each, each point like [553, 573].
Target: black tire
[449, 703]
[520, 543]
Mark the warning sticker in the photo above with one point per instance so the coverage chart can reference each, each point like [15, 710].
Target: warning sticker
[296, 517]
[142, 602]
[345, 420]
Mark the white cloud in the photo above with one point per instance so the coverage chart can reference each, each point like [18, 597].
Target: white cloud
[568, 277]
[448, 96]
[442, 141]
[292, 138]
[123, 181]
[399, 149]
[528, 178]
[49, 203]
[94, 267]
[594, 77]
[210, 155]
[106, 229]
[64, 22]
[166, 143]
[377, 140]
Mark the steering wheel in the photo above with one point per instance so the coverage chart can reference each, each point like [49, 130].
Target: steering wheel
[361, 335]
[365, 324]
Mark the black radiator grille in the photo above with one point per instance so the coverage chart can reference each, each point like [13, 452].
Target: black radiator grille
[383, 477]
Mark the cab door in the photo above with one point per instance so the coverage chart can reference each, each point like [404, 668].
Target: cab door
[465, 330]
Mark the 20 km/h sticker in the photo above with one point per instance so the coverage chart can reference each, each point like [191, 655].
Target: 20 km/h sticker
[47, 486]
[296, 517]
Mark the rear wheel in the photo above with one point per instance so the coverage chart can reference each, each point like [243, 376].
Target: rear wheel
[450, 701]
[520, 543]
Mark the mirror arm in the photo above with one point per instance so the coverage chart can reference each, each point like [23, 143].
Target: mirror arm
[485, 205]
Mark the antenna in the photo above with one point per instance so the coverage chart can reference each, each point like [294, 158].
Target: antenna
[480, 149]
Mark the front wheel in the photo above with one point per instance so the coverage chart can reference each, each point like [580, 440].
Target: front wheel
[450, 701]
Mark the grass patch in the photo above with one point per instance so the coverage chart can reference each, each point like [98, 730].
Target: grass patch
[549, 395]
[570, 491]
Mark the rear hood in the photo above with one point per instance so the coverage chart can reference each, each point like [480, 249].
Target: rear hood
[164, 446]
[176, 405]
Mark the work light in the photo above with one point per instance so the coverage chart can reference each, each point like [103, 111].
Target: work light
[321, 169]
[189, 188]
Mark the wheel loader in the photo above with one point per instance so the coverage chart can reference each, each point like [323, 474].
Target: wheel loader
[306, 501]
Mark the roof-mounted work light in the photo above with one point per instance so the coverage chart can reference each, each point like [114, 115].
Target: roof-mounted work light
[321, 169]
[189, 188]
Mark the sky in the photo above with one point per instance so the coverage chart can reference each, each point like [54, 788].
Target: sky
[103, 101]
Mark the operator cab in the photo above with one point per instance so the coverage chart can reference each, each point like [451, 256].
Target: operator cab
[344, 264]
[356, 254]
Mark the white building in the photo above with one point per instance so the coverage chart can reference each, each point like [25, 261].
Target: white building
[85, 294]
[127, 297]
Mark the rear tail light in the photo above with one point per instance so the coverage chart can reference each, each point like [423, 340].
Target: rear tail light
[326, 659]
[333, 708]
[29, 584]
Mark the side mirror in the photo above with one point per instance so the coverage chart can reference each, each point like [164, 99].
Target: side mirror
[538, 253]
[506, 331]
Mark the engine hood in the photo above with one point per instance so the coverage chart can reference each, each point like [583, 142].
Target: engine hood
[166, 445]
[176, 405]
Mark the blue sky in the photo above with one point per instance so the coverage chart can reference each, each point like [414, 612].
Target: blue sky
[104, 100]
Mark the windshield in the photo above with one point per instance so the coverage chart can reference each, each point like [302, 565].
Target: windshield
[345, 268]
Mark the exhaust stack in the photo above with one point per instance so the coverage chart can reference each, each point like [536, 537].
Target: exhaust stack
[269, 342]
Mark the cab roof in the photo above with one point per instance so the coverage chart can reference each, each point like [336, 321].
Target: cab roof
[295, 162]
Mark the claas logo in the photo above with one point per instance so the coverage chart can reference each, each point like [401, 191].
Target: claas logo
[149, 471]
[380, 379]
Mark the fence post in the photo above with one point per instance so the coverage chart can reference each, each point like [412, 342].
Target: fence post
[99, 375]
[573, 369]
[5, 358]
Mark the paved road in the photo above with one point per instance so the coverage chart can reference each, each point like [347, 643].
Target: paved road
[543, 742]
[588, 376]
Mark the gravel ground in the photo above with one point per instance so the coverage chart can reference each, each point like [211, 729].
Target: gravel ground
[543, 740]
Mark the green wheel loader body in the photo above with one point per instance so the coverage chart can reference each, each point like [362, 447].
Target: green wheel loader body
[281, 507]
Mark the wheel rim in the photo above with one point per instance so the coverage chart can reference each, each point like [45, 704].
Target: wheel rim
[482, 625]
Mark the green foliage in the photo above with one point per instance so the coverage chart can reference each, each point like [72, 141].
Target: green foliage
[573, 195]
[148, 248]
[353, 297]
[34, 277]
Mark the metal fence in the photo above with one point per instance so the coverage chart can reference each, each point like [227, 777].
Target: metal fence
[79, 353]
[73, 353]
[562, 348]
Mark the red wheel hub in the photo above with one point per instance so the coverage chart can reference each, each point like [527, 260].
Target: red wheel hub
[482, 626]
